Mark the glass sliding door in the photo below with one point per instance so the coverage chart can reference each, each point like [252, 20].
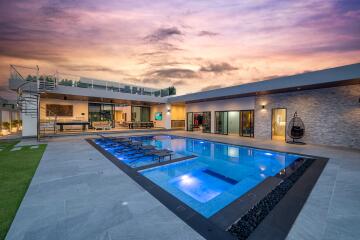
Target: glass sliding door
[206, 122]
[189, 121]
[145, 114]
[278, 124]
[135, 113]
[199, 121]
[101, 112]
[94, 112]
[140, 114]
[107, 113]
[234, 119]
[247, 123]
[221, 123]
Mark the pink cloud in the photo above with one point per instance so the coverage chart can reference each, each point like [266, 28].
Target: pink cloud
[111, 40]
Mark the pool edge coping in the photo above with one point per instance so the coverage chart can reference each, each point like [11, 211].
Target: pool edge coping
[194, 219]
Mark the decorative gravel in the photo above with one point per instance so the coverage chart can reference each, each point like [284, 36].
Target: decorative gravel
[250, 220]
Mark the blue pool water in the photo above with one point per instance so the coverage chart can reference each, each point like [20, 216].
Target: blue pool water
[131, 158]
[219, 174]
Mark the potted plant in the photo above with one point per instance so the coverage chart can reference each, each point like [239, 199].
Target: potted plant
[16, 125]
[6, 125]
[5, 128]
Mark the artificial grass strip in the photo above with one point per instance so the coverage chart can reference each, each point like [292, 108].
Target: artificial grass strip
[16, 171]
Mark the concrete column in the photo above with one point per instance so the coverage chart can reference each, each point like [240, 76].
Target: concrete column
[167, 118]
[29, 125]
[212, 121]
[29, 121]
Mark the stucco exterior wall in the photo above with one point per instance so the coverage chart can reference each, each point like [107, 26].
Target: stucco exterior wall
[158, 108]
[166, 116]
[178, 112]
[331, 115]
[79, 108]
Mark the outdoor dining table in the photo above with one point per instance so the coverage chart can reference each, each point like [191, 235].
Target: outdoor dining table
[72, 123]
[132, 125]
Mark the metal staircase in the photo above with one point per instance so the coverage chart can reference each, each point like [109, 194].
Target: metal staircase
[28, 103]
[28, 99]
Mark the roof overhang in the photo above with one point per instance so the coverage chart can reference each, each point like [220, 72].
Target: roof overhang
[63, 96]
[339, 76]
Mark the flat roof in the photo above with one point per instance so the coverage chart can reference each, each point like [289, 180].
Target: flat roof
[337, 76]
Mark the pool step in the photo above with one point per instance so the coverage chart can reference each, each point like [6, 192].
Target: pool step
[220, 176]
[165, 162]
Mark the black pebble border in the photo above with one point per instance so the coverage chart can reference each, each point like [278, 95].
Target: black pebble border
[248, 222]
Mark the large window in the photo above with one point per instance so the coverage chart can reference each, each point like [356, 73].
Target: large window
[221, 123]
[247, 123]
[199, 121]
[101, 112]
[59, 110]
[140, 114]
[239, 122]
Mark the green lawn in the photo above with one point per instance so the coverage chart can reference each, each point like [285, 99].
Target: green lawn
[16, 171]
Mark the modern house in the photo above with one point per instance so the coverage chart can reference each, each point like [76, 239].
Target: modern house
[327, 101]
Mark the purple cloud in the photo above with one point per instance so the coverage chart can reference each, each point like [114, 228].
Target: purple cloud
[178, 41]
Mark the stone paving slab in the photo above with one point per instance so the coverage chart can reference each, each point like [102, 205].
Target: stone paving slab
[78, 194]
[15, 149]
[27, 142]
[332, 210]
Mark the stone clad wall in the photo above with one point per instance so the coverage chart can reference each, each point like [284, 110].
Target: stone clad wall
[331, 115]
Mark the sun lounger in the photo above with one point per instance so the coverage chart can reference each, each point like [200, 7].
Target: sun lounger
[122, 139]
[162, 154]
[159, 154]
[141, 151]
[129, 146]
[148, 147]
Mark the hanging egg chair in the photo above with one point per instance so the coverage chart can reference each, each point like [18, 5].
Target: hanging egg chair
[295, 129]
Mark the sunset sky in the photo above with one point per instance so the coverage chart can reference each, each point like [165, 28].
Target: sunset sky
[194, 45]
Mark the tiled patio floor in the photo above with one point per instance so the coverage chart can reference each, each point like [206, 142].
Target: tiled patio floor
[78, 194]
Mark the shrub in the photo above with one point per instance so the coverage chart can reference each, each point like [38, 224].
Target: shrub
[6, 125]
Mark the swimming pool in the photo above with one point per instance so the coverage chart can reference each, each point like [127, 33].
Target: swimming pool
[217, 175]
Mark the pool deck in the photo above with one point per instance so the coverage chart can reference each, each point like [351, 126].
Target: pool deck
[77, 193]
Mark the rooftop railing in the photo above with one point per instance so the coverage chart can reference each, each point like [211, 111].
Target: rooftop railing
[70, 80]
[117, 87]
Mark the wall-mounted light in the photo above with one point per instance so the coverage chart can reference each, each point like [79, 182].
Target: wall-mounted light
[263, 106]
[168, 110]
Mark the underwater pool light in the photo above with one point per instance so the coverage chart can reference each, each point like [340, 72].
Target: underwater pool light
[186, 179]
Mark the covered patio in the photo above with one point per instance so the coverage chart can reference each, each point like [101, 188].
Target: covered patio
[64, 114]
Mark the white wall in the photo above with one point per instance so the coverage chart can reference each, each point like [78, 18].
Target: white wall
[79, 108]
[246, 103]
[29, 121]
[158, 108]
[29, 125]
[166, 121]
